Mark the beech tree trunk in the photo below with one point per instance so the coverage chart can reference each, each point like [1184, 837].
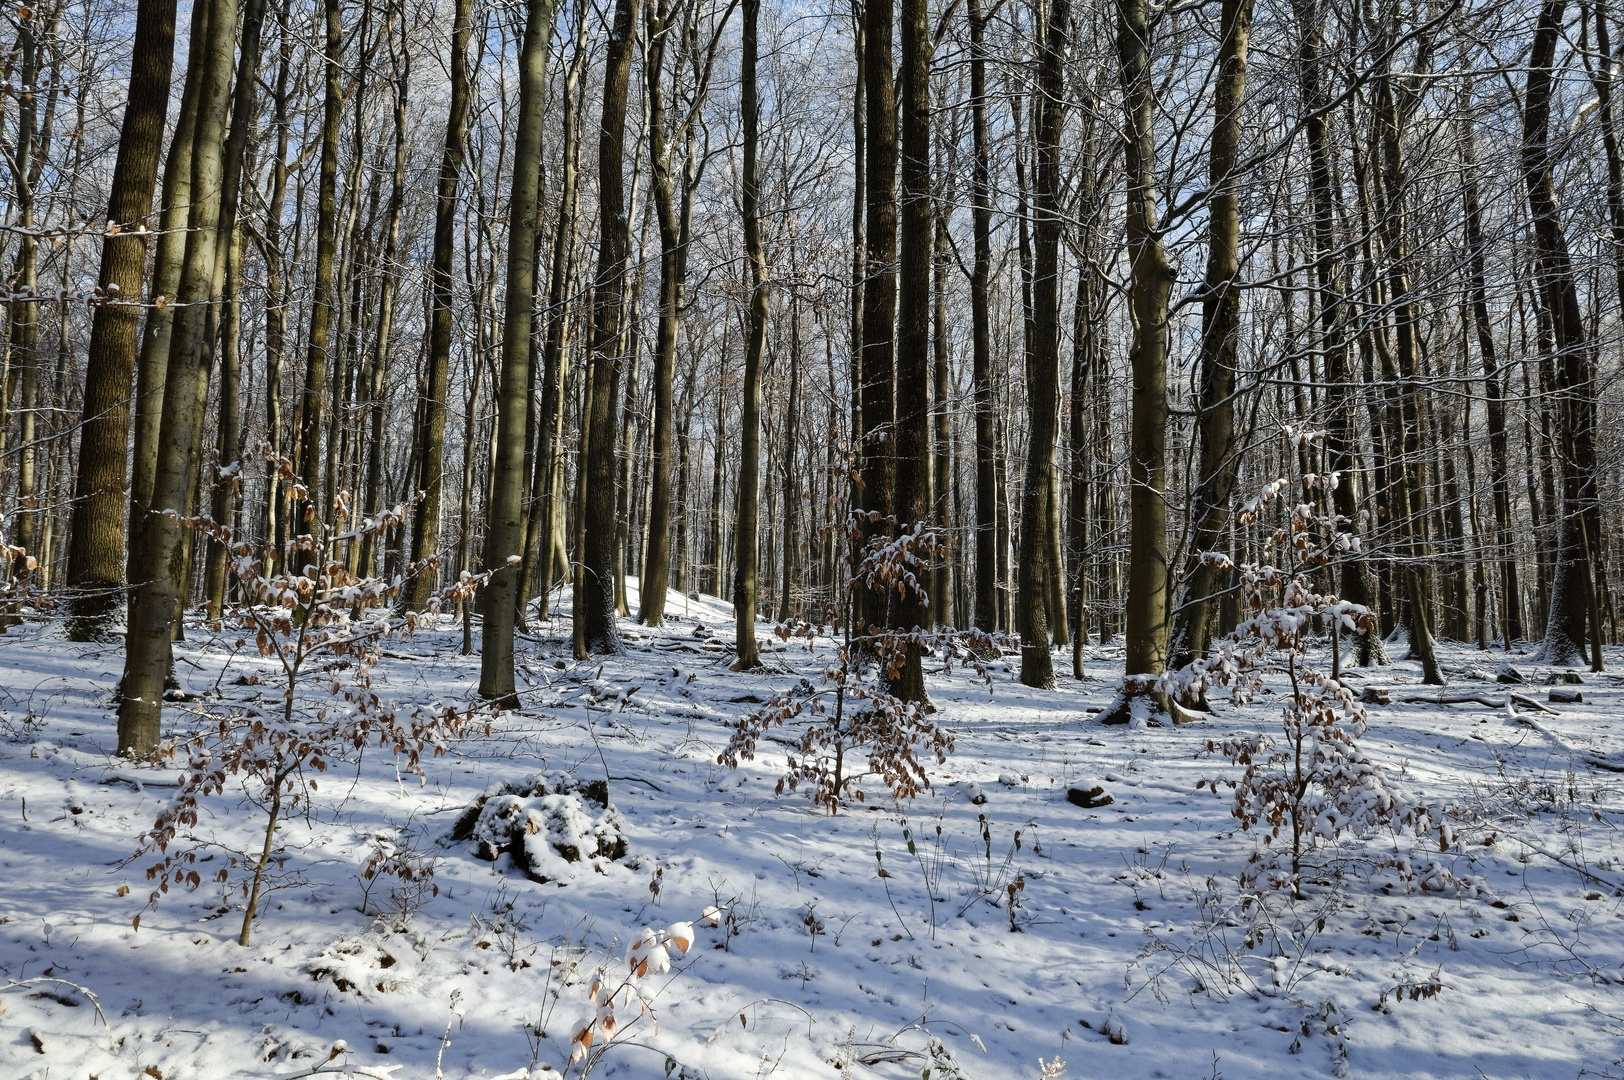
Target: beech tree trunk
[746, 523]
[985, 608]
[1573, 599]
[877, 468]
[1193, 608]
[1039, 569]
[1151, 281]
[504, 542]
[436, 381]
[909, 610]
[96, 537]
[596, 604]
[164, 542]
[308, 511]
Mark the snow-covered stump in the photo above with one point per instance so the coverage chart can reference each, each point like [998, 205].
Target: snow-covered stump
[545, 824]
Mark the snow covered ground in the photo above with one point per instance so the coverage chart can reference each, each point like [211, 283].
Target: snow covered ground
[821, 966]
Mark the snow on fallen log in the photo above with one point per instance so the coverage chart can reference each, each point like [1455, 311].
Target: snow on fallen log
[1481, 699]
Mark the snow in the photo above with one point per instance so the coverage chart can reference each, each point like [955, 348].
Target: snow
[1017, 927]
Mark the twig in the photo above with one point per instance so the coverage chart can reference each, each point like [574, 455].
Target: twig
[639, 780]
[89, 995]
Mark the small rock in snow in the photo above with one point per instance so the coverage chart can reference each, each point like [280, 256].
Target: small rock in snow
[1088, 797]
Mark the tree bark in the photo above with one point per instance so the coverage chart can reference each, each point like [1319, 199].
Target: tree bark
[165, 540]
[1037, 566]
[877, 468]
[909, 608]
[504, 543]
[227, 269]
[96, 539]
[1151, 281]
[746, 523]
[1194, 608]
[431, 461]
[596, 610]
[555, 363]
[985, 608]
[1511, 618]
[1572, 588]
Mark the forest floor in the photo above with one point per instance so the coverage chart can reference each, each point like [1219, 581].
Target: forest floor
[1125, 951]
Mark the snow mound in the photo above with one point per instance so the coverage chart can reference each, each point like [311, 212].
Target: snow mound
[367, 965]
[545, 823]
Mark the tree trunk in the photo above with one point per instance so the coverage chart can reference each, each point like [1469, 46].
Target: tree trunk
[909, 609]
[746, 523]
[24, 339]
[1572, 588]
[1330, 279]
[548, 520]
[1193, 608]
[877, 451]
[431, 461]
[504, 541]
[96, 539]
[1043, 371]
[985, 608]
[377, 403]
[596, 610]
[1151, 280]
[1400, 368]
[325, 300]
[227, 270]
[941, 576]
[164, 540]
[152, 363]
[792, 486]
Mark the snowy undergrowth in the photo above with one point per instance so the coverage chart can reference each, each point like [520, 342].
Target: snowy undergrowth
[1002, 930]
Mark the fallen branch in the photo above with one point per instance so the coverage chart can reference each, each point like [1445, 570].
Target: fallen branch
[1480, 699]
[1456, 699]
[137, 782]
[95, 1003]
[1529, 703]
[639, 780]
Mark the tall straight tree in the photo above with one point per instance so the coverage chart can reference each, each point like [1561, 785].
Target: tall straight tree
[24, 331]
[325, 300]
[96, 538]
[1194, 606]
[547, 548]
[984, 613]
[504, 538]
[1401, 363]
[877, 469]
[595, 597]
[747, 518]
[1150, 283]
[910, 609]
[225, 282]
[1330, 281]
[674, 215]
[1511, 619]
[164, 541]
[378, 362]
[436, 375]
[152, 362]
[1087, 357]
[1043, 372]
[1573, 598]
